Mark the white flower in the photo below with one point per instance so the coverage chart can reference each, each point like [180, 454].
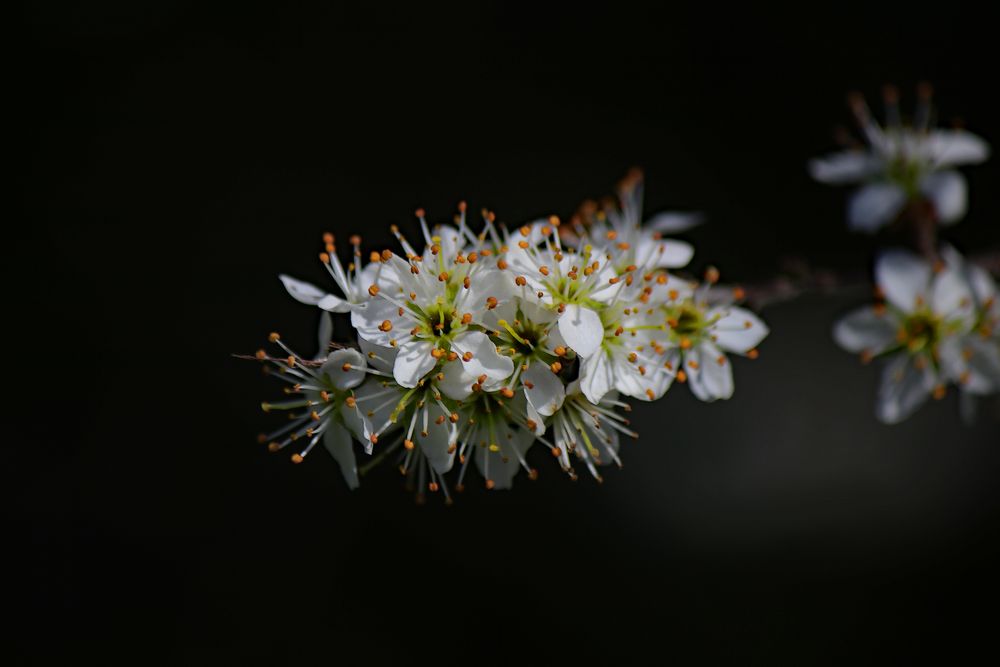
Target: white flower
[577, 284]
[925, 316]
[496, 436]
[590, 431]
[631, 242]
[702, 327]
[353, 283]
[902, 164]
[327, 392]
[632, 354]
[430, 308]
[527, 335]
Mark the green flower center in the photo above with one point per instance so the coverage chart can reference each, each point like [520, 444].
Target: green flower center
[920, 331]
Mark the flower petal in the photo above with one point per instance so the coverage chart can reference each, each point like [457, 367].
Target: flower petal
[903, 278]
[845, 167]
[865, 330]
[413, 362]
[325, 334]
[378, 356]
[873, 206]
[367, 317]
[543, 389]
[596, 377]
[581, 328]
[671, 222]
[952, 298]
[437, 446]
[334, 304]
[301, 291]
[904, 388]
[501, 466]
[738, 329]
[372, 411]
[950, 194]
[954, 147]
[457, 382]
[338, 442]
[973, 363]
[337, 361]
[710, 380]
[674, 255]
[485, 358]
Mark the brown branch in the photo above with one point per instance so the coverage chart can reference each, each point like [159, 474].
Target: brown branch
[798, 278]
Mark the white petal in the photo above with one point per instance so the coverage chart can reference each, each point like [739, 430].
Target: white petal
[436, 446]
[334, 304]
[675, 254]
[501, 467]
[671, 223]
[485, 358]
[845, 167]
[451, 241]
[373, 407]
[952, 298]
[581, 328]
[533, 415]
[904, 388]
[710, 380]
[302, 292]
[338, 442]
[738, 329]
[367, 317]
[367, 280]
[903, 277]
[325, 333]
[873, 206]
[413, 362]
[378, 356]
[950, 194]
[954, 147]
[864, 330]
[596, 377]
[457, 382]
[333, 369]
[973, 363]
[546, 391]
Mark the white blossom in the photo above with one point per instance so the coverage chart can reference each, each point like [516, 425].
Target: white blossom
[920, 331]
[902, 164]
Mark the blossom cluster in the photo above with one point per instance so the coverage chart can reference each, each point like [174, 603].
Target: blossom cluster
[475, 345]
[936, 321]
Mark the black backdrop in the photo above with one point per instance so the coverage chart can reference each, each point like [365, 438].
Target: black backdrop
[181, 156]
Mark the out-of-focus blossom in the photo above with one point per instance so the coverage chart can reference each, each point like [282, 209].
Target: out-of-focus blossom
[903, 165]
[927, 328]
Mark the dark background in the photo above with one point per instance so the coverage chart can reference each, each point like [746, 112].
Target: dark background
[181, 156]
